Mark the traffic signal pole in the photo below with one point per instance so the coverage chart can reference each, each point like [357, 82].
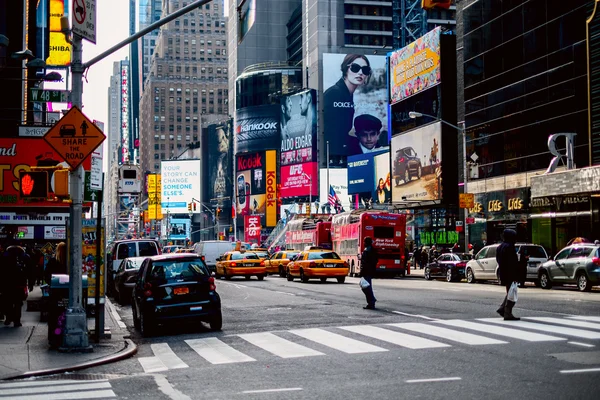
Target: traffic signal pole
[76, 332]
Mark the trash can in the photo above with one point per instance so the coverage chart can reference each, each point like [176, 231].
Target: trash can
[58, 302]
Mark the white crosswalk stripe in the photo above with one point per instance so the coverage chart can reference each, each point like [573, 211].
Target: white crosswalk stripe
[561, 330]
[336, 341]
[500, 331]
[585, 318]
[217, 352]
[279, 346]
[56, 390]
[569, 322]
[400, 339]
[164, 359]
[456, 336]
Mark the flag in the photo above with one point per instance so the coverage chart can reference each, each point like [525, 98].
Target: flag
[332, 198]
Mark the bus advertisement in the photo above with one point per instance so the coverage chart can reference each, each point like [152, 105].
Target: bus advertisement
[387, 230]
[303, 232]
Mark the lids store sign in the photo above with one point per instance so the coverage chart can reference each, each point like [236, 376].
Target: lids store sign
[510, 201]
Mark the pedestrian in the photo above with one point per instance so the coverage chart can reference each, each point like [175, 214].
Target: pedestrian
[471, 249]
[14, 283]
[424, 258]
[58, 263]
[368, 265]
[508, 266]
[417, 256]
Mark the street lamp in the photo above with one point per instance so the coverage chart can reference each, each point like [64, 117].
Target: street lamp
[309, 193]
[463, 132]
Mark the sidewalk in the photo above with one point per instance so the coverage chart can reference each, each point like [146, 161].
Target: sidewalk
[415, 273]
[26, 352]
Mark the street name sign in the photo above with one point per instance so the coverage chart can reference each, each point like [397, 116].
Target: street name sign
[33, 131]
[53, 96]
[84, 19]
[74, 137]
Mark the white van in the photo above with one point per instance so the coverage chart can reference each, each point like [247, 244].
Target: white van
[211, 250]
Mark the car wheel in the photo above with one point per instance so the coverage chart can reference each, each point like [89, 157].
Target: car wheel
[281, 272]
[406, 175]
[217, 276]
[247, 277]
[323, 279]
[545, 280]
[216, 322]
[427, 274]
[583, 283]
[145, 326]
[449, 276]
[341, 279]
[470, 276]
[289, 276]
[227, 277]
[136, 318]
[419, 172]
[260, 277]
[303, 278]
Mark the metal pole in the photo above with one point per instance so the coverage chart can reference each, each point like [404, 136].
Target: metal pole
[310, 198]
[97, 321]
[327, 154]
[76, 332]
[465, 179]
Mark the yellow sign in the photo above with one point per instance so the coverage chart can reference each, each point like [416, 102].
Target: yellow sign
[60, 50]
[154, 197]
[88, 252]
[271, 169]
[466, 200]
[74, 137]
[57, 10]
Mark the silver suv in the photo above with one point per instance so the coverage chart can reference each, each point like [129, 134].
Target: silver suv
[576, 264]
[485, 267]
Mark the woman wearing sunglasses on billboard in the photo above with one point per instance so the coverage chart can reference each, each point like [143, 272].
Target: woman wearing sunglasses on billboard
[339, 102]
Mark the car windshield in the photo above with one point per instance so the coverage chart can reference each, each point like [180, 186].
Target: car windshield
[262, 254]
[329, 255]
[241, 256]
[179, 270]
[533, 251]
[291, 255]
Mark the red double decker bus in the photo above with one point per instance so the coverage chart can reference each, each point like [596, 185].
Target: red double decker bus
[302, 232]
[387, 230]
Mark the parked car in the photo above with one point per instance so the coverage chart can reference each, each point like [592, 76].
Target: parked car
[484, 265]
[125, 277]
[576, 264]
[175, 287]
[122, 249]
[450, 266]
[320, 264]
[406, 165]
[278, 262]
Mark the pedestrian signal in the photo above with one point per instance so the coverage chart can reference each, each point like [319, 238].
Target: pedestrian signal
[33, 184]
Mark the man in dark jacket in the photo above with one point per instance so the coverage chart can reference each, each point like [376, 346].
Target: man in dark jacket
[14, 283]
[508, 265]
[368, 265]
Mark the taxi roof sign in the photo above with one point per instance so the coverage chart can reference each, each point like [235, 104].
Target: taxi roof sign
[74, 137]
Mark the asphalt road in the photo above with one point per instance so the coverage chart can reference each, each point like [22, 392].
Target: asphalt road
[289, 340]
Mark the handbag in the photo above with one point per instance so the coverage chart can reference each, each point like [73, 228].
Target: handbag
[512, 293]
[364, 283]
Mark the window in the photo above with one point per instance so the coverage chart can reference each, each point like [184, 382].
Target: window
[562, 255]
[482, 253]
[314, 255]
[578, 252]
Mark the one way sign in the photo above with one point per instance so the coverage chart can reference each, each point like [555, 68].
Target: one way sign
[90, 194]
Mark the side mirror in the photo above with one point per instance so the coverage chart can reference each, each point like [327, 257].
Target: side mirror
[557, 263]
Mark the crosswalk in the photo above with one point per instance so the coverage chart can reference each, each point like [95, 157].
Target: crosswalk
[56, 390]
[361, 339]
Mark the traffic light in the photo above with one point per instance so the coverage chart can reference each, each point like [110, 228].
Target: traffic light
[33, 184]
[189, 206]
[61, 183]
[194, 206]
[218, 211]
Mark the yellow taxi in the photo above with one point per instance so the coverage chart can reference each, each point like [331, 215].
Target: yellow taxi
[278, 262]
[240, 263]
[321, 264]
[263, 254]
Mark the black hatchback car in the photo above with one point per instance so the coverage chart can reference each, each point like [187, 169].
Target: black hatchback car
[172, 288]
[406, 165]
[449, 265]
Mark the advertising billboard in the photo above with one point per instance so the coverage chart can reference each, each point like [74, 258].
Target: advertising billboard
[415, 67]
[178, 229]
[354, 85]
[154, 196]
[369, 175]
[417, 164]
[271, 197]
[257, 128]
[338, 181]
[252, 227]
[20, 154]
[299, 180]
[299, 128]
[125, 156]
[219, 153]
[180, 183]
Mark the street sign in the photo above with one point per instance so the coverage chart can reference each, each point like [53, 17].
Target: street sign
[84, 19]
[33, 131]
[90, 194]
[74, 137]
[466, 200]
[53, 96]
[96, 173]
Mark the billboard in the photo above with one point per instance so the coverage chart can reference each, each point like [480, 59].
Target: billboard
[256, 186]
[369, 175]
[257, 128]
[178, 229]
[20, 154]
[60, 50]
[338, 180]
[220, 150]
[415, 67]
[180, 184]
[299, 128]
[125, 156]
[299, 180]
[354, 85]
[252, 227]
[417, 164]
[271, 197]
[154, 196]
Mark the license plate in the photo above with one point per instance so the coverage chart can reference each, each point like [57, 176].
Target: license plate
[382, 267]
[249, 265]
[396, 261]
[181, 290]
[330, 265]
[199, 308]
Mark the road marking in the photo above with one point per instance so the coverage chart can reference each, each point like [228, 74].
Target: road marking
[165, 387]
[546, 328]
[289, 294]
[585, 318]
[499, 330]
[115, 314]
[400, 339]
[582, 344]
[415, 315]
[461, 337]
[279, 308]
[568, 322]
[454, 378]
[69, 386]
[579, 371]
[216, 352]
[237, 285]
[271, 390]
[279, 346]
[167, 356]
[336, 341]
[152, 364]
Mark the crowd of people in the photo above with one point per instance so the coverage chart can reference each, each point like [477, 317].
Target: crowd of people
[424, 255]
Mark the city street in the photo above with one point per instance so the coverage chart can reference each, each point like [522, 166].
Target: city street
[427, 339]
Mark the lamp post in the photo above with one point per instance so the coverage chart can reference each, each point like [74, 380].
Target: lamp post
[309, 193]
[168, 225]
[463, 132]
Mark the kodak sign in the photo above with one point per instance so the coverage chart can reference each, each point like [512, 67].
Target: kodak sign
[271, 171]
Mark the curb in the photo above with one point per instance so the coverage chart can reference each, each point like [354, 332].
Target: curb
[129, 349]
